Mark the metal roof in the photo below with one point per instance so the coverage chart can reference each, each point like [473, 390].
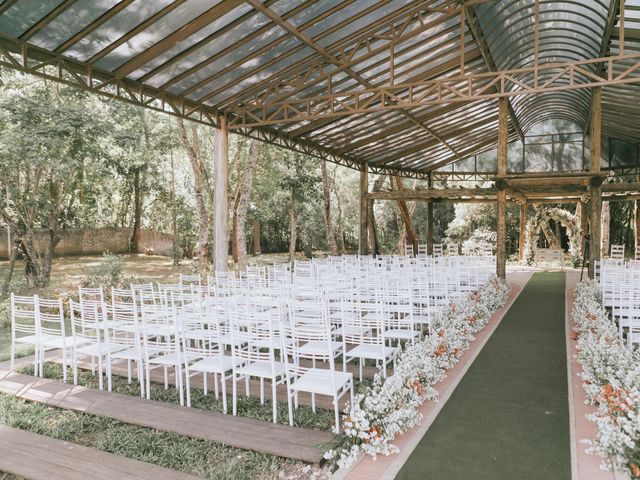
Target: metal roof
[202, 58]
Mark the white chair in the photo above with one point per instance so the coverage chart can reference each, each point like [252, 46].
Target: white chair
[53, 336]
[123, 330]
[438, 250]
[363, 336]
[452, 249]
[617, 252]
[87, 321]
[204, 352]
[25, 330]
[314, 380]
[254, 347]
[161, 342]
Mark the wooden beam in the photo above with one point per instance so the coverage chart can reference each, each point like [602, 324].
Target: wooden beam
[364, 188]
[221, 159]
[478, 36]
[434, 193]
[612, 18]
[503, 138]
[556, 77]
[596, 191]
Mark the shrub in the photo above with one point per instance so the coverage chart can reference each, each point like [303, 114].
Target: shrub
[109, 273]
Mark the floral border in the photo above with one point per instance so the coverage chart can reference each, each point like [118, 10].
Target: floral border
[389, 406]
[611, 381]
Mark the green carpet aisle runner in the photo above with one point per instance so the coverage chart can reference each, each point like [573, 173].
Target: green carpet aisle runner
[508, 418]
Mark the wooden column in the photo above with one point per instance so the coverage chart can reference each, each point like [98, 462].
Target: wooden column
[221, 209]
[605, 224]
[522, 237]
[364, 225]
[636, 227]
[430, 220]
[596, 190]
[503, 137]
[583, 222]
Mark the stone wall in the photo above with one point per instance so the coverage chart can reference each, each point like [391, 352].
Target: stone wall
[95, 241]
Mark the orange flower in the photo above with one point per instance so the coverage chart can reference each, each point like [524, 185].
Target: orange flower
[441, 333]
[472, 319]
[635, 470]
[418, 387]
[442, 349]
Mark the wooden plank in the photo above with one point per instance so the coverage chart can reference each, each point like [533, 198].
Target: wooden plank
[430, 219]
[38, 457]
[239, 432]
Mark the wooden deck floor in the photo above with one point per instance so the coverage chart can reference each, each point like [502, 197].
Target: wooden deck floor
[37, 457]
[157, 376]
[249, 434]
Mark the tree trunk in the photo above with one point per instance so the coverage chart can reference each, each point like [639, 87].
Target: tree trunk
[198, 168]
[13, 254]
[606, 222]
[134, 243]
[257, 250]
[340, 238]
[326, 196]
[293, 231]
[243, 197]
[636, 228]
[234, 195]
[373, 232]
[406, 216]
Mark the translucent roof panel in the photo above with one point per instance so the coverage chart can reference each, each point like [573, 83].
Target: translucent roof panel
[217, 56]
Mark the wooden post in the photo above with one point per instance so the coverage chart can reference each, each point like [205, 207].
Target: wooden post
[596, 190]
[636, 227]
[503, 137]
[583, 222]
[523, 230]
[605, 223]
[430, 220]
[221, 209]
[364, 225]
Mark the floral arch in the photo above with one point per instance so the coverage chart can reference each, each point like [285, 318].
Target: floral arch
[567, 219]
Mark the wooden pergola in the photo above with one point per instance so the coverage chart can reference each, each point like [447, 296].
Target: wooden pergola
[393, 87]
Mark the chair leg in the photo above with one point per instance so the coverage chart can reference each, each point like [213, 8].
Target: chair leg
[223, 380]
[187, 381]
[337, 413]
[129, 371]
[147, 378]
[205, 387]
[216, 387]
[100, 382]
[235, 395]
[64, 365]
[261, 391]
[274, 400]
[179, 384]
[166, 378]
[289, 403]
[74, 364]
[246, 386]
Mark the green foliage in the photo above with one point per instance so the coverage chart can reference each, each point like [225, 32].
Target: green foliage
[108, 273]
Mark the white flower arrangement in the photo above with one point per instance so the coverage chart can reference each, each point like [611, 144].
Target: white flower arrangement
[389, 406]
[611, 381]
[566, 219]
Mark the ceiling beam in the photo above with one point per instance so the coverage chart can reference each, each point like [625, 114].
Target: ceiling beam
[612, 18]
[478, 36]
[549, 77]
[274, 17]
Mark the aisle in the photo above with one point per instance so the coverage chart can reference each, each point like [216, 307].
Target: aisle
[508, 418]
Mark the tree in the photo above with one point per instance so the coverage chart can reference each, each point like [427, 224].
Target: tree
[240, 211]
[50, 142]
[326, 197]
[200, 173]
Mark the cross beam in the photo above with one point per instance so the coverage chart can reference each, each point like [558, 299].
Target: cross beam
[544, 78]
